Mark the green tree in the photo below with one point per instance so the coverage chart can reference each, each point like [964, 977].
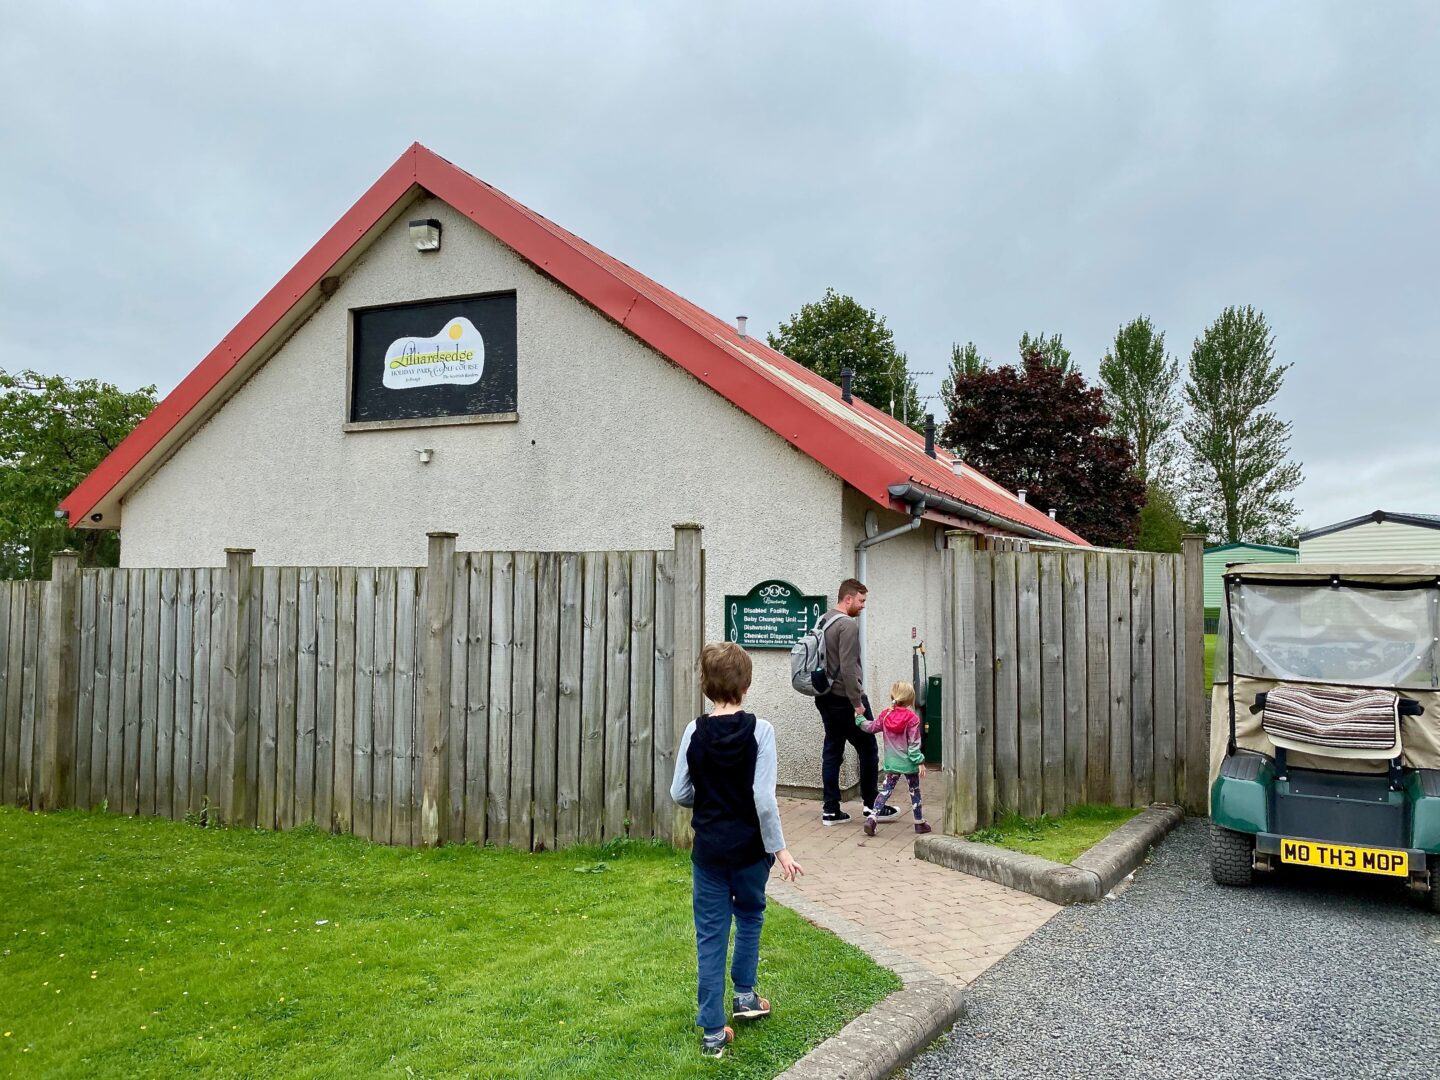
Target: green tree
[1142, 395]
[1239, 475]
[965, 360]
[1161, 526]
[1051, 349]
[53, 432]
[835, 332]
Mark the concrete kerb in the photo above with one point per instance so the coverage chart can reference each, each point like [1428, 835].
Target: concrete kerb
[1087, 879]
[874, 1045]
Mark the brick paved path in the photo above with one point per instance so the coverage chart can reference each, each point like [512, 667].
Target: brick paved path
[949, 923]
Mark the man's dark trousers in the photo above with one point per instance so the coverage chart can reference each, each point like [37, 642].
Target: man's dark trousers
[840, 728]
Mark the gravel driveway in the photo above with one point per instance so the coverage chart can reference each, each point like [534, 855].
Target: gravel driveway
[1318, 974]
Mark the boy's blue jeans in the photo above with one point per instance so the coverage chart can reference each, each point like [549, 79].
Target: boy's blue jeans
[719, 896]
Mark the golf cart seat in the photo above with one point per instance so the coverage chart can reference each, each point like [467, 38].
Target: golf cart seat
[1334, 721]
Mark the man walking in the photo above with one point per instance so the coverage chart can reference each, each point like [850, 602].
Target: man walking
[843, 703]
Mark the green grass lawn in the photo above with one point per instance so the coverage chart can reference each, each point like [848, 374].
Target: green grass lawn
[144, 948]
[1057, 839]
[1209, 661]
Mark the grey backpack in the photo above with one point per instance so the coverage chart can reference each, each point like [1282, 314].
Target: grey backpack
[807, 661]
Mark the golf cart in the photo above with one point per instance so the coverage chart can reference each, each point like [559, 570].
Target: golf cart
[1325, 722]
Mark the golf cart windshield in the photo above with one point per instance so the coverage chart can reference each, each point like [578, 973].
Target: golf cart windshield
[1359, 632]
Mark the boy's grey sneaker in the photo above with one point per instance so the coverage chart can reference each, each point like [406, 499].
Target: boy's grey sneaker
[834, 817]
[885, 814]
[749, 1006]
[713, 1046]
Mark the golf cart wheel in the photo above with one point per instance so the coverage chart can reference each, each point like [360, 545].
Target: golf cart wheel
[1232, 857]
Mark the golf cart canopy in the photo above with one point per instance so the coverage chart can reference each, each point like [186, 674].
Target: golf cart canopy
[1370, 625]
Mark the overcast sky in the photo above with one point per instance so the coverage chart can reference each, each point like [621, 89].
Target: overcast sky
[971, 171]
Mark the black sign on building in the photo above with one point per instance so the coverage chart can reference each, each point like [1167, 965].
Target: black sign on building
[434, 362]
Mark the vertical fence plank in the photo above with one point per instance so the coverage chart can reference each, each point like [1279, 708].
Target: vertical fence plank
[664, 736]
[477, 698]
[1194, 693]
[454, 822]
[1121, 777]
[325, 589]
[342, 813]
[134, 654]
[1027, 627]
[306, 665]
[55, 747]
[984, 688]
[115, 707]
[184, 673]
[86, 623]
[568, 730]
[286, 714]
[402, 770]
[149, 691]
[642, 693]
[7, 715]
[363, 798]
[502, 640]
[1163, 641]
[522, 703]
[252, 736]
[267, 760]
[32, 710]
[434, 694]
[958, 740]
[14, 686]
[100, 698]
[1052, 683]
[201, 704]
[228, 633]
[417, 756]
[1097, 678]
[592, 701]
[383, 707]
[547, 697]
[1007, 684]
[165, 706]
[1142, 680]
[689, 639]
[617, 692]
[1076, 767]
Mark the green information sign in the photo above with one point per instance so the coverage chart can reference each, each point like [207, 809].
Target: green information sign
[773, 615]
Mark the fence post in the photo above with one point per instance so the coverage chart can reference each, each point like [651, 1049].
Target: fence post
[57, 772]
[958, 747]
[1197, 699]
[435, 691]
[689, 639]
[234, 712]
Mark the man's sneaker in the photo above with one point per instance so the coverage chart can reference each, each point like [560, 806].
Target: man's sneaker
[869, 826]
[922, 826]
[886, 814]
[713, 1046]
[834, 817]
[749, 1006]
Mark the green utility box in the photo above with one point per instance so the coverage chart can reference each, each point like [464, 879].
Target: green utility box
[930, 717]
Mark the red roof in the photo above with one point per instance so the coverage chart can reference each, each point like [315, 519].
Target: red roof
[865, 447]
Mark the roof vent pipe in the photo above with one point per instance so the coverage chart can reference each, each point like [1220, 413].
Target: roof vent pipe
[957, 466]
[846, 374]
[1020, 494]
[930, 434]
[740, 324]
[1052, 513]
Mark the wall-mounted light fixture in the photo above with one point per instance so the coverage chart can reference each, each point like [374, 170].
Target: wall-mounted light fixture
[96, 517]
[425, 234]
[425, 455]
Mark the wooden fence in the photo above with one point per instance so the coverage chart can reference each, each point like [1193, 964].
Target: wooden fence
[523, 698]
[1072, 677]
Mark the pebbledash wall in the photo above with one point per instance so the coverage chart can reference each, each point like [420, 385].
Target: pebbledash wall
[612, 446]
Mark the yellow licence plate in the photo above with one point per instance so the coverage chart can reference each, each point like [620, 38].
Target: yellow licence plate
[1344, 857]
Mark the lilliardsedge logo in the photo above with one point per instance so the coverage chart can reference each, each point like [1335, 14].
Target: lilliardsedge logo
[454, 356]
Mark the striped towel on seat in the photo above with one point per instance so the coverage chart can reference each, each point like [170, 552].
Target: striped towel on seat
[1339, 716]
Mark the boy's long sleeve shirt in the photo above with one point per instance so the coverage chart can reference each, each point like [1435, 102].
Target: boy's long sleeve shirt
[767, 809]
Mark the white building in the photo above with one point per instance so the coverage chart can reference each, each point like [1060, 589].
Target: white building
[1381, 537]
[579, 406]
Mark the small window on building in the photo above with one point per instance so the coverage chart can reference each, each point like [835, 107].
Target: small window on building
[435, 362]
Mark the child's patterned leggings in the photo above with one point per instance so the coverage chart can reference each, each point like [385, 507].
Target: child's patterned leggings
[893, 778]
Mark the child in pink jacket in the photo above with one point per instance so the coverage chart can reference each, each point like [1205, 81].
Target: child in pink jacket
[900, 728]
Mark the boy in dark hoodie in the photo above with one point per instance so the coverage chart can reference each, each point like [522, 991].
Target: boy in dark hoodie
[725, 771]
